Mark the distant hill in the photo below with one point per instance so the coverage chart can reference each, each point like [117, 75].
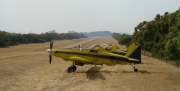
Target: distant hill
[97, 33]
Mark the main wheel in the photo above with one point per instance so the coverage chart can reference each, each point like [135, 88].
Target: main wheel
[71, 69]
[74, 68]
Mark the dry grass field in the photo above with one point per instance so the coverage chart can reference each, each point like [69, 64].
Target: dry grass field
[26, 68]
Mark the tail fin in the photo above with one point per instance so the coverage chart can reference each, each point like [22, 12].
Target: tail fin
[134, 51]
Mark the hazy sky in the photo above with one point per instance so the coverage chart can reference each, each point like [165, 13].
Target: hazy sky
[37, 16]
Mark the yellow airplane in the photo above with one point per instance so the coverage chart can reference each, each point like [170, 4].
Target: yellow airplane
[96, 55]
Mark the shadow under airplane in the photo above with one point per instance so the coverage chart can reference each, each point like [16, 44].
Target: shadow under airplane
[94, 73]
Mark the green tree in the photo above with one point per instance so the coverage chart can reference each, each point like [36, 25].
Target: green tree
[159, 34]
[116, 35]
[2, 42]
[125, 39]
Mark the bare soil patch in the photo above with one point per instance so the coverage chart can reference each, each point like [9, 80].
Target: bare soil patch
[26, 68]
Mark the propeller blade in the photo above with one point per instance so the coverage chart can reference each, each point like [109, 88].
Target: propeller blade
[50, 58]
[51, 44]
[50, 52]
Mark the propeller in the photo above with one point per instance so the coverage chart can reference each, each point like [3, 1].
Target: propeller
[50, 51]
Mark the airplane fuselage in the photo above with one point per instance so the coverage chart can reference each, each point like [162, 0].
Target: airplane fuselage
[91, 57]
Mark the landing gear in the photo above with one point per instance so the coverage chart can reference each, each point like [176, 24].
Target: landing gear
[72, 69]
[135, 69]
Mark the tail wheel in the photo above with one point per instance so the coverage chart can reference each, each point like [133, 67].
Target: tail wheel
[71, 69]
[135, 70]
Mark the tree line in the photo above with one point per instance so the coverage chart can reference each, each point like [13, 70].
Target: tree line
[97, 33]
[10, 39]
[123, 39]
[160, 36]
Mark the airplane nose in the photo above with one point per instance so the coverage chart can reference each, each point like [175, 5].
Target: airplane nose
[49, 50]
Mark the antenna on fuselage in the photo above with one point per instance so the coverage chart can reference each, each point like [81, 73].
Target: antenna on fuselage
[80, 47]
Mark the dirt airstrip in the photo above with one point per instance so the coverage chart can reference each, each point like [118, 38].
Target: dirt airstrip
[26, 68]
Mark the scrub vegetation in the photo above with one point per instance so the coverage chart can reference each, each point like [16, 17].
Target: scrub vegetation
[9, 39]
[160, 37]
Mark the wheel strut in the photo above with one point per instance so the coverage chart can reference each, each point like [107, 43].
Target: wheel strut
[135, 69]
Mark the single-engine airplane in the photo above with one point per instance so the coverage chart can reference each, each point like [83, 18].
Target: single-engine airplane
[96, 55]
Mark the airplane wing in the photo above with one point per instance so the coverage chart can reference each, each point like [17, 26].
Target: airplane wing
[79, 59]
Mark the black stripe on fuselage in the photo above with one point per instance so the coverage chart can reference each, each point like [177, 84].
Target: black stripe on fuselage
[119, 53]
[110, 57]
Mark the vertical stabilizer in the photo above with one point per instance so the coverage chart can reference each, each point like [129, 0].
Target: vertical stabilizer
[134, 51]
